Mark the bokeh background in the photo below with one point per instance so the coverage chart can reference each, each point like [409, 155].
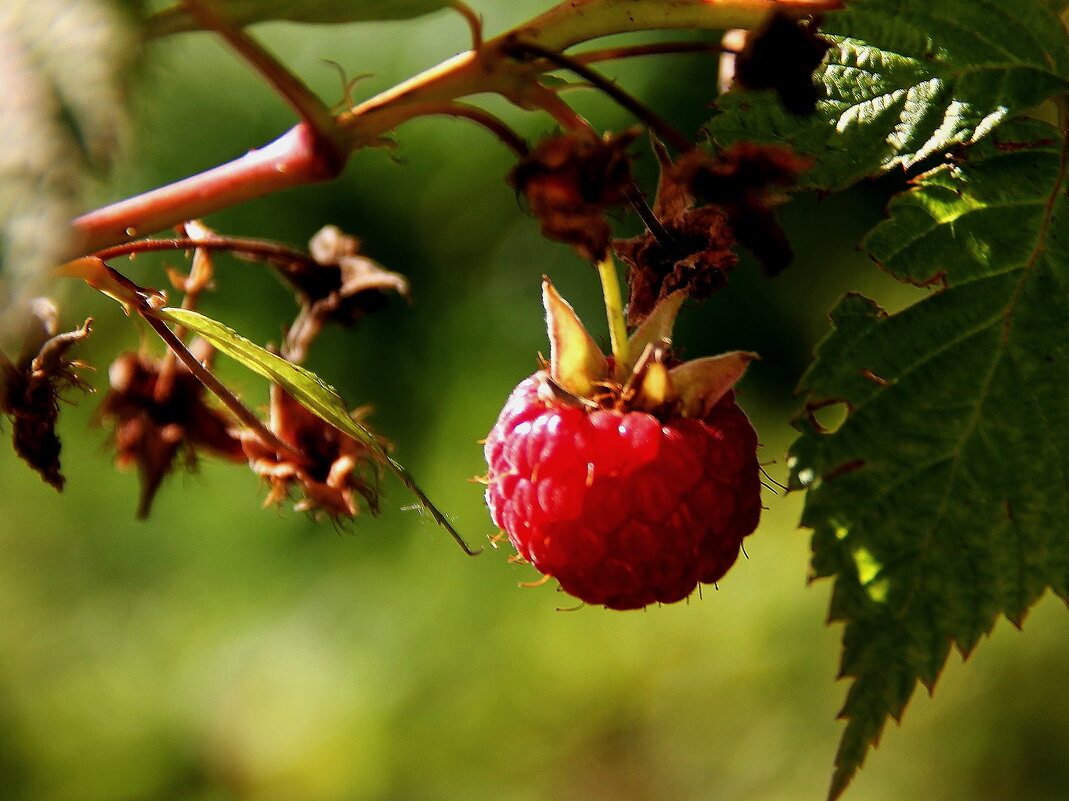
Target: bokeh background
[220, 651]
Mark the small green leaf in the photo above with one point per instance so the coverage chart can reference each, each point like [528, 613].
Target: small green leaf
[307, 389]
[247, 12]
[940, 504]
[906, 79]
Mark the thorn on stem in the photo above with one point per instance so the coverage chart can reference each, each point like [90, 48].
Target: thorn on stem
[475, 23]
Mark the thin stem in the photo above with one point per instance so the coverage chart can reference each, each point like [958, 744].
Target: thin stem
[495, 125]
[652, 49]
[474, 21]
[165, 377]
[200, 276]
[575, 21]
[260, 248]
[292, 89]
[643, 113]
[217, 388]
[614, 308]
[566, 117]
[642, 208]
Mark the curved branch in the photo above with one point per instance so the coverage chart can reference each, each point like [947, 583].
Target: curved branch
[259, 248]
[496, 126]
[300, 157]
[641, 112]
[294, 159]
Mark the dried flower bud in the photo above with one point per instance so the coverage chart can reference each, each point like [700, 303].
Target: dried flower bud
[782, 56]
[747, 180]
[329, 476]
[570, 180]
[691, 252]
[343, 286]
[156, 411]
[30, 388]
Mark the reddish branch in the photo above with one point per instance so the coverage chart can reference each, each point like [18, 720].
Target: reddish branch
[309, 153]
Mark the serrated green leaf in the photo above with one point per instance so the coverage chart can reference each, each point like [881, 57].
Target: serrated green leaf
[940, 504]
[247, 12]
[906, 79]
[306, 388]
[63, 112]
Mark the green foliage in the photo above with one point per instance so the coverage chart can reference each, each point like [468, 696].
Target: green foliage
[907, 79]
[64, 67]
[247, 12]
[939, 504]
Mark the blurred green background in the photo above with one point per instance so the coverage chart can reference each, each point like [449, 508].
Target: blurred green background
[220, 651]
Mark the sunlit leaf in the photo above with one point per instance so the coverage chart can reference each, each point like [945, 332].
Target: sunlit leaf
[907, 79]
[246, 12]
[940, 504]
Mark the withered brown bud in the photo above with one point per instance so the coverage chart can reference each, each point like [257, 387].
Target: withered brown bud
[570, 180]
[158, 410]
[30, 389]
[342, 286]
[334, 469]
[690, 251]
[782, 56]
[350, 284]
[747, 180]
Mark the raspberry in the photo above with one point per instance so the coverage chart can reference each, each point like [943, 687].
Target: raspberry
[623, 505]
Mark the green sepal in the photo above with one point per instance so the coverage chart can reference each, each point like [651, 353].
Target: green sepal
[657, 327]
[702, 382]
[653, 386]
[576, 363]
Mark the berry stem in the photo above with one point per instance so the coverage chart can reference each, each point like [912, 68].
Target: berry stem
[614, 308]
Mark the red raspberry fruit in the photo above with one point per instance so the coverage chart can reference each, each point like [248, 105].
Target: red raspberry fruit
[636, 494]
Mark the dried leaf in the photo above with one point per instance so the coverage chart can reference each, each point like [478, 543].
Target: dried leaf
[158, 410]
[30, 388]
